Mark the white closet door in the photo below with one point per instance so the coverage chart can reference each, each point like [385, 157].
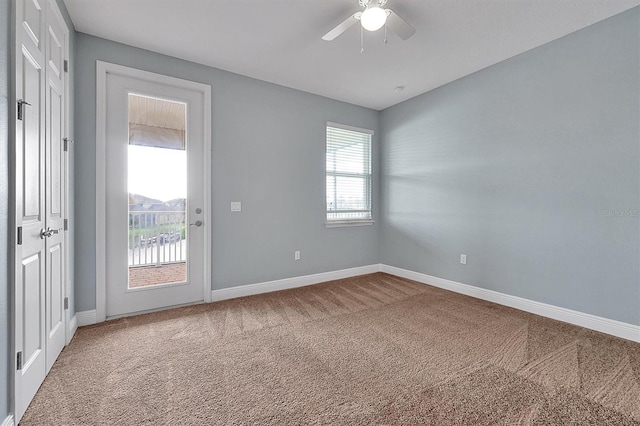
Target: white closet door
[57, 35]
[39, 270]
[30, 254]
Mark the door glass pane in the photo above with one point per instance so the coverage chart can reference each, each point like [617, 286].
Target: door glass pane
[157, 181]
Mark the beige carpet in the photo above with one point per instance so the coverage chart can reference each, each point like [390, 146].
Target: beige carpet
[369, 350]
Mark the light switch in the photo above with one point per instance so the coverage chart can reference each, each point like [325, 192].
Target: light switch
[236, 206]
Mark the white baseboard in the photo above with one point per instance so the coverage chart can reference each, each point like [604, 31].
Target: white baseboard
[73, 326]
[86, 318]
[287, 283]
[90, 317]
[593, 322]
[8, 421]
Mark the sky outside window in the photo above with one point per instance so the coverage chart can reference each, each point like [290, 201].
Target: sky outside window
[157, 173]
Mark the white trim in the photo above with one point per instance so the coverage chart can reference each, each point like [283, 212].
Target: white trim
[101, 195]
[208, 150]
[593, 322]
[352, 128]
[287, 283]
[102, 68]
[346, 223]
[67, 154]
[8, 421]
[86, 317]
[73, 327]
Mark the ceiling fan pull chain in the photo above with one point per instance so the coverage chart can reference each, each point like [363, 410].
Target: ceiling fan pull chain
[361, 40]
[385, 33]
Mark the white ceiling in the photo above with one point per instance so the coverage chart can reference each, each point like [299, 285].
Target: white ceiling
[280, 40]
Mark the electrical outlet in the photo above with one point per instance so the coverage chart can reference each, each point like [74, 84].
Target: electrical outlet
[296, 255]
[236, 206]
[463, 259]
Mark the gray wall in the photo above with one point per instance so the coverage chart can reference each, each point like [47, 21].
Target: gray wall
[5, 295]
[518, 166]
[268, 150]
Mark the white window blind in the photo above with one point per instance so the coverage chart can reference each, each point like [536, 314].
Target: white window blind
[348, 174]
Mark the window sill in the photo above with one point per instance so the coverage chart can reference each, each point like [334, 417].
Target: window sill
[345, 223]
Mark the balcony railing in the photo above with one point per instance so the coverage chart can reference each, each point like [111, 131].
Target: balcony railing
[157, 238]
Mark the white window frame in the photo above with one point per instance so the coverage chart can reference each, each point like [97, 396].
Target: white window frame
[351, 222]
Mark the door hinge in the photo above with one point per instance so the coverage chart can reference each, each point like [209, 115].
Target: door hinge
[67, 141]
[19, 361]
[66, 303]
[66, 224]
[66, 66]
[19, 242]
[21, 104]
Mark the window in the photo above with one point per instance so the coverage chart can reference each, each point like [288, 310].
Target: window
[348, 175]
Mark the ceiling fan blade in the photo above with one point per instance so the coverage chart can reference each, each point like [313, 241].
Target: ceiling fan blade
[399, 26]
[344, 26]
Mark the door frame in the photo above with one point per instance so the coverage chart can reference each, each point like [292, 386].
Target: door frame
[102, 69]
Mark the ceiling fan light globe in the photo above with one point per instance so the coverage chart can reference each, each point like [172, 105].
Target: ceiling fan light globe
[373, 18]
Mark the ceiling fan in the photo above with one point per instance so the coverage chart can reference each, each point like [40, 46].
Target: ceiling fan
[372, 18]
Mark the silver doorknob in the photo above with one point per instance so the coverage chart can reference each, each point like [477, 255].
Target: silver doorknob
[198, 223]
[48, 232]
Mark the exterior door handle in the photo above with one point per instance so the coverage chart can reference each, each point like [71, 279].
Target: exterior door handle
[198, 223]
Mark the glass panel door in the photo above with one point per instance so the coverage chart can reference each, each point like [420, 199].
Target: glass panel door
[155, 195]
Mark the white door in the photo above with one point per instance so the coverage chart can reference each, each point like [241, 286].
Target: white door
[55, 181]
[155, 199]
[39, 259]
[30, 204]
